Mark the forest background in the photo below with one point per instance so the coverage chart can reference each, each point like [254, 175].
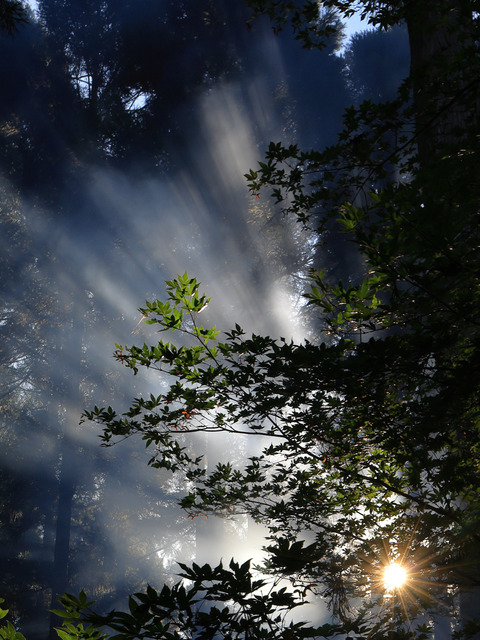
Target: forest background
[126, 133]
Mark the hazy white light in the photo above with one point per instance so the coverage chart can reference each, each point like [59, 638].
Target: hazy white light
[394, 576]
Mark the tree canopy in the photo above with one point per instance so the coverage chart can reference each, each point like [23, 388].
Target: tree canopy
[12, 15]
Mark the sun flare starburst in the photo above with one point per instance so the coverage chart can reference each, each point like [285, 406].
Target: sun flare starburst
[394, 576]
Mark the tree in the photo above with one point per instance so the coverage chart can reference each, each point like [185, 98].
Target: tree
[12, 14]
[27, 313]
[369, 432]
[136, 68]
[376, 63]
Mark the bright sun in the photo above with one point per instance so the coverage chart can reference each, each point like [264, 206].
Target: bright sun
[394, 576]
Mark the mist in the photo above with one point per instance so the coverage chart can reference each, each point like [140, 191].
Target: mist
[95, 217]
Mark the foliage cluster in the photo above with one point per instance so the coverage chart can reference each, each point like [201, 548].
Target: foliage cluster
[12, 16]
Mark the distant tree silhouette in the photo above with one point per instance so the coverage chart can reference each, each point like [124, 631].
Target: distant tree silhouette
[12, 15]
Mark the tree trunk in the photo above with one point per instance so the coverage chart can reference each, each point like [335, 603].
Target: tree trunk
[68, 371]
[444, 91]
[62, 537]
[444, 74]
[470, 607]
